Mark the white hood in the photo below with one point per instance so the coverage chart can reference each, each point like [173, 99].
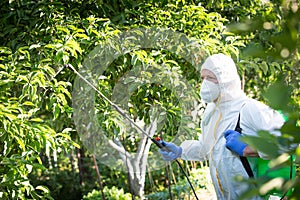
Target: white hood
[224, 69]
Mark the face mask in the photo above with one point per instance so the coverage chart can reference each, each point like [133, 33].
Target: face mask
[209, 91]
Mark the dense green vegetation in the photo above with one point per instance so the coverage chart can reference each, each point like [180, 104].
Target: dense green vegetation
[42, 153]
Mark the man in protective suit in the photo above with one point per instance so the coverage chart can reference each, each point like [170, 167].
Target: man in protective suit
[219, 142]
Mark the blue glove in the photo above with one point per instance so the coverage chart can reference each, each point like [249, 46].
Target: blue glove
[172, 152]
[233, 142]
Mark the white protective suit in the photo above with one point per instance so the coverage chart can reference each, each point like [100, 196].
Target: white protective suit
[223, 115]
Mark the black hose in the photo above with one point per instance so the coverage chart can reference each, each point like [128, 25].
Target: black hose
[186, 176]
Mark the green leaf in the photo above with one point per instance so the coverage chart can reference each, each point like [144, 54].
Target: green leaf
[74, 45]
[278, 95]
[22, 78]
[66, 130]
[43, 188]
[65, 57]
[54, 46]
[29, 168]
[264, 67]
[36, 120]
[254, 50]
[2, 67]
[5, 50]
[75, 144]
[63, 29]
[34, 46]
[264, 143]
[290, 129]
[56, 111]
[10, 116]
[80, 35]
[28, 103]
[32, 92]
[20, 142]
[39, 160]
[64, 135]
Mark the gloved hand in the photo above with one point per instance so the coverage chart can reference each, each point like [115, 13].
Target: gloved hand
[173, 152]
[233, 142]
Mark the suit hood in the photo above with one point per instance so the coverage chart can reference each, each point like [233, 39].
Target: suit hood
[224, 68]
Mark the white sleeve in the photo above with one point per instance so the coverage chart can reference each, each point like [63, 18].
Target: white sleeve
[191, 150]
[256, 116]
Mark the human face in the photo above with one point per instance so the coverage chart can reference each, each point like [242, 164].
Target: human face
[209, 76]
[210, 90]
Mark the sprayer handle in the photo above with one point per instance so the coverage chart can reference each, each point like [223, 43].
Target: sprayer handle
[160, 144]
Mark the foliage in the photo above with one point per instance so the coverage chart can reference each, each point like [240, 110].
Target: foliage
[110, 193]
[25, 129]
[63, 180]
[276, 42]
[33, 102]
[182, 190]
[37, 38]
[272, 37]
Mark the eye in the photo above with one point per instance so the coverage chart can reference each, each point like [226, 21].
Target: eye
[212, 79]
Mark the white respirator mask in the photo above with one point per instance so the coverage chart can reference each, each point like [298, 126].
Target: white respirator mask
[209, 91]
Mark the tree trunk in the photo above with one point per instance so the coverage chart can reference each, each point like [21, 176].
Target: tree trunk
[137, 164]
[138, 171]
